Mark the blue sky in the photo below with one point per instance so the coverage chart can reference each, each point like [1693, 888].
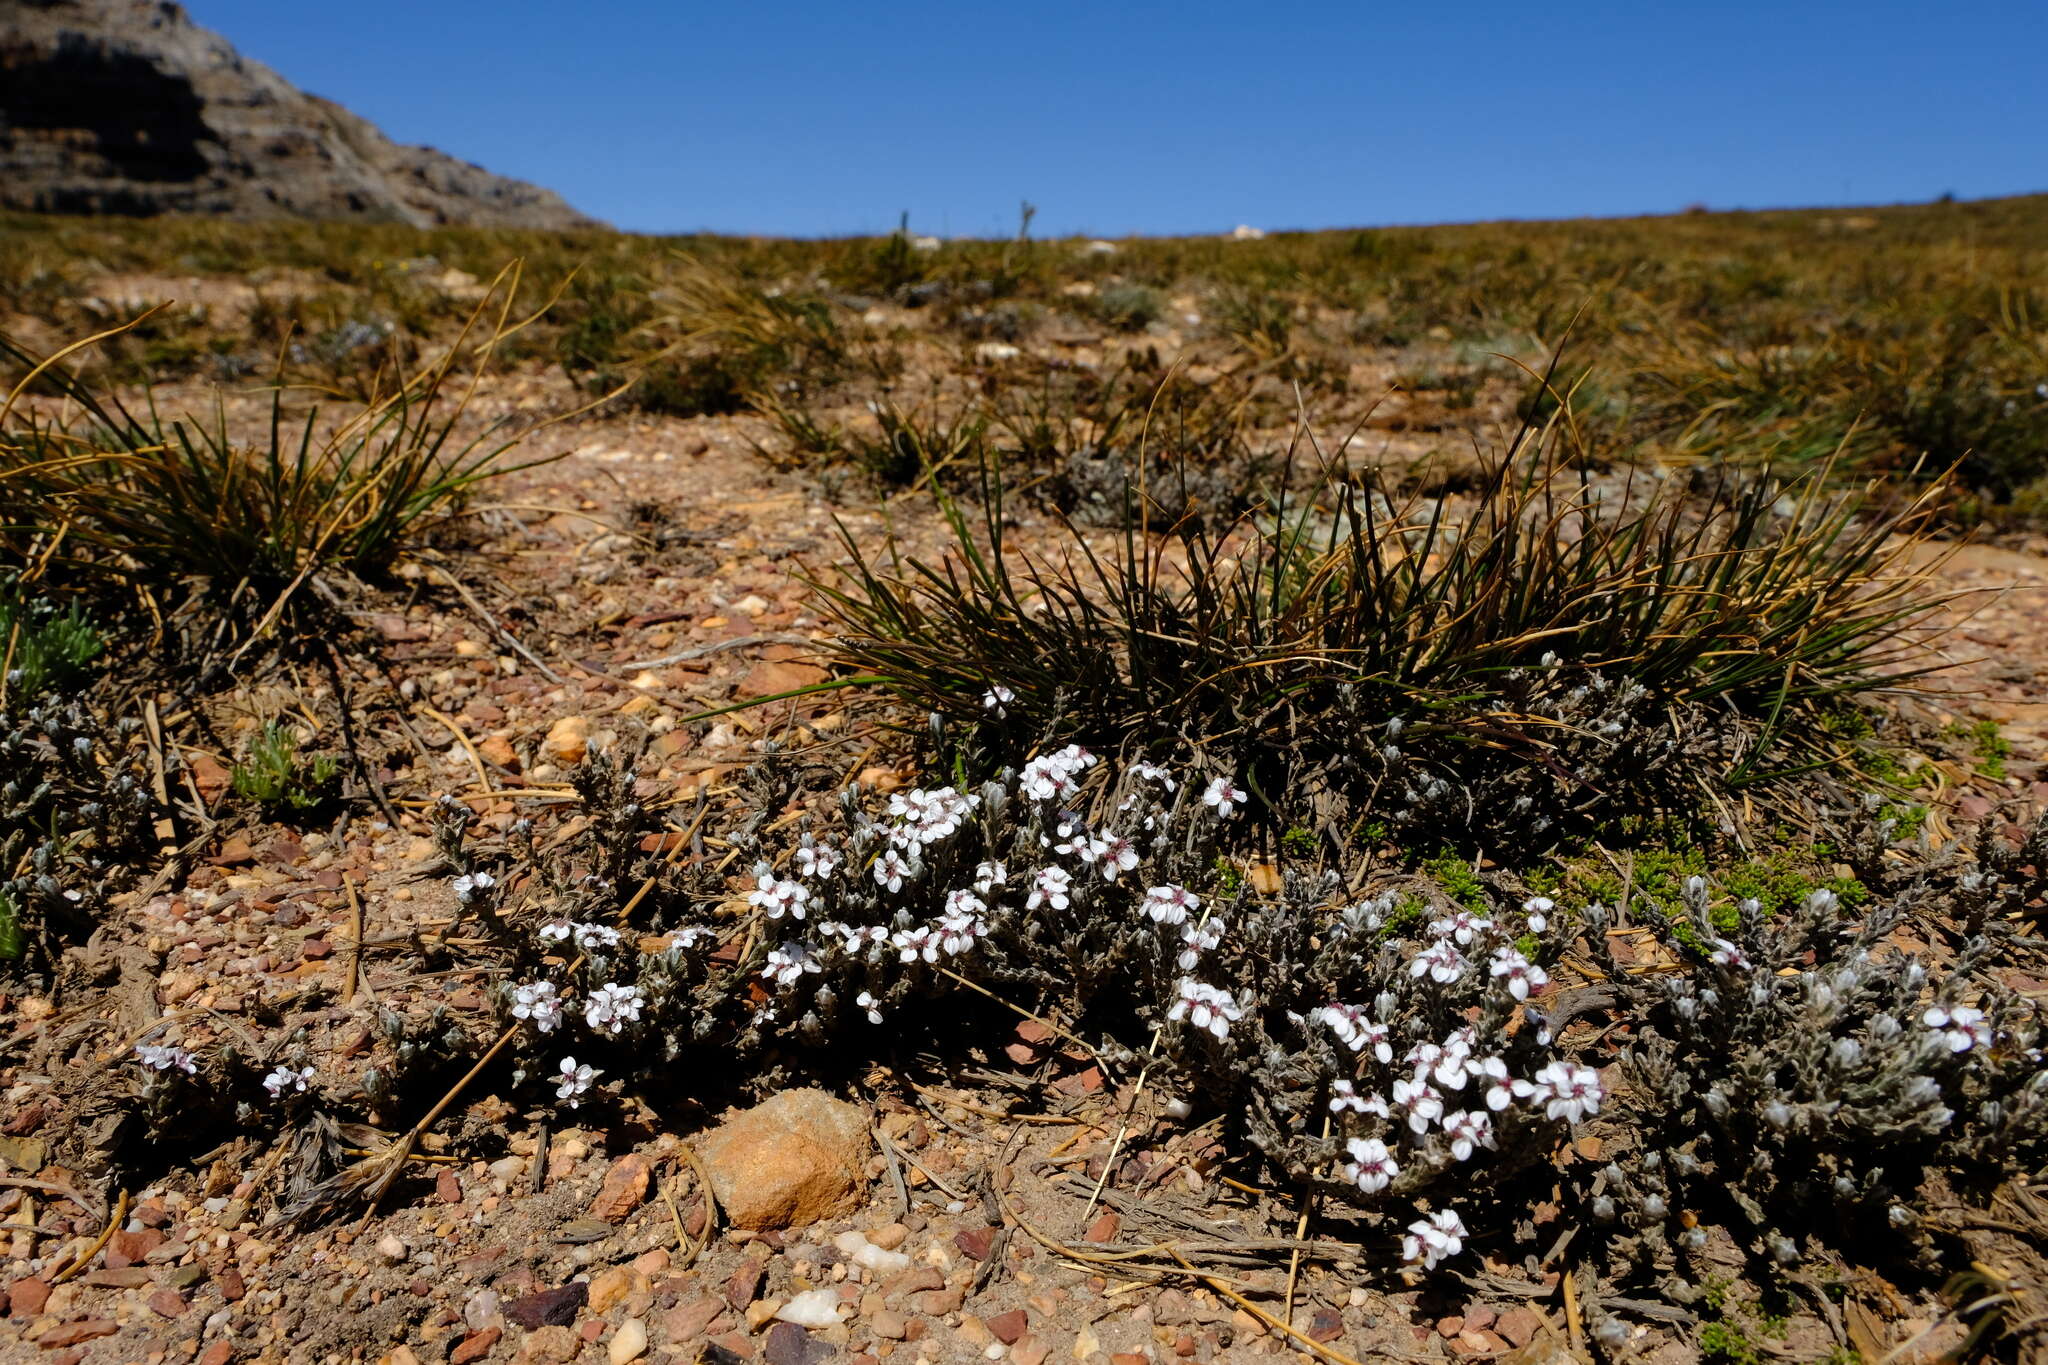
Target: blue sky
[815, 119]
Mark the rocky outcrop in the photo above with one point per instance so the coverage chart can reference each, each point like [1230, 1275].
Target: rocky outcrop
[128, 107]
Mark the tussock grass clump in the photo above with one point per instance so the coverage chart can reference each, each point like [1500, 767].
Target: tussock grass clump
[156, 500]
[1521, 658]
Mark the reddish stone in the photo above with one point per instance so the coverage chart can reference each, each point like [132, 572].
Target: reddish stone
[1106, 1226]
[1450, 1326]
[315, 949]
[1183, 1345]
[735, 1343]
[71, 1333]
[975, 1242]
[128, 1277]
[25, 1298]
[1478, 1317]
[128, 1248]
[1519, 1326]
[167, 1303]
[549, 1307]
[150, 1214]
[1326, 1325]
[230, 1280]
[1129, 1358]
[1008, 1326]
[689, 1321]
[70, 1357]
[592, 1329]
[447, 1188]
[625, 1185]
[475, 1346]
[744, 1284]
[220, 1353]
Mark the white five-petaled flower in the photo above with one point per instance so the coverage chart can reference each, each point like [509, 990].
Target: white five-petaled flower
[1438, 1237]
[166, 1058]
[1170, 904]
[573, 1080]
[1462, 925]
[1198, 937]
[873, 1007]
[816, 861]
[1116, 854]
[1468, 1129]
[919, 942]
[588, 937]
[787, 964]
[892, 869]
[537, 1001]
[961, 925]
[1538, 909]
[1441, 961]
[997, 699]
[1566, 1091]
[780, 897]
[1224, 796]
[1522, 974]
[470, 884]
[1420, 1101]
[611, 1007]
[1205, 1006]
[1049, 886]
[284, 1078]
[1372, 1167]
[990, 875]
[1961, 1026]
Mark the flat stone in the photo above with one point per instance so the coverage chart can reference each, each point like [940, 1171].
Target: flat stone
[625, 1185]
[475, 1346]
[549, 1307]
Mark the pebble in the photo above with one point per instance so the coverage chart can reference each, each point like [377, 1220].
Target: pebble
[812, 1308]
[392, 1248]
[628, 1343]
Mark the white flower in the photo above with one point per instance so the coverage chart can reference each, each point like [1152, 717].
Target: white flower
[990, 875]
[1727, 955]
[921, 942]
[554, 933]
[787, 964]
[467, 886]
[1538, 909]
[1050, 777]
[1372, 1167]
[1354, 1029]
[587, 936]
[997, 699]
[816, 861]
[1435, 1238]
[612, 1006]
[928, 816]
[961, 925]
[166, 1058]
[1468, 1129]
[1500, 1091]
[1961, 1026]
[1152, 772]
[1205, 1007]
[536, 1000]
[779, 897]
[1522, 974]
[284, 1078]
[892, 868]
[1170, 904]
[690, 937]
[1462, 925]
[1115, 853]
[573, 1080]
[1565, 1090]
[1344, 1095]
[1049, 886]
[1198, 937]
[1442, 962]
[855, 939]
[1420, 1101]
[868, 1003]
[1224, 796]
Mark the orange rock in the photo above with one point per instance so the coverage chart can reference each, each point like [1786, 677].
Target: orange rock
[625, 1185]
[793, 1159]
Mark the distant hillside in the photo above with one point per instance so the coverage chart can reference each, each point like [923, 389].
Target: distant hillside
[128, 107]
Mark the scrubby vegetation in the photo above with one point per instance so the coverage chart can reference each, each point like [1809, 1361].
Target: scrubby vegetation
[1418, 703]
